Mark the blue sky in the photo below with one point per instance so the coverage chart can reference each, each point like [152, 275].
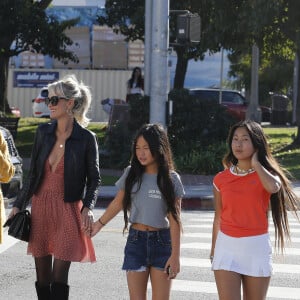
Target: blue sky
[203, 73]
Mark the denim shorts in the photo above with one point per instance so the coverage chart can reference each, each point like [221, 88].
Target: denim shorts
[146, 249]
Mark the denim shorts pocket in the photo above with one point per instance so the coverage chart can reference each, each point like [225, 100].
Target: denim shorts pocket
[164, 238]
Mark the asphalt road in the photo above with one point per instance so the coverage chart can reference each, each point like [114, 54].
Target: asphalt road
[106, 281]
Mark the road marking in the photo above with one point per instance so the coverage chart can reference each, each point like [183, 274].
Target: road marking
[208, 235]
[207, 246]
[205, 263]
[275, 292]
[292, 230]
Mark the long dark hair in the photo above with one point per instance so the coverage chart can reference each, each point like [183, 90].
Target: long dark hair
[140, 79]
[157, 139]
[282, 201]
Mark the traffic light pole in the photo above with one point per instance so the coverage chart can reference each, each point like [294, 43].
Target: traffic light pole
[156, 63]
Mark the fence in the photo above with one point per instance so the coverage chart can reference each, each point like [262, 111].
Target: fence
[103, 83]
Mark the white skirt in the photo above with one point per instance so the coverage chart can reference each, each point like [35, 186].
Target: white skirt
[250, 256]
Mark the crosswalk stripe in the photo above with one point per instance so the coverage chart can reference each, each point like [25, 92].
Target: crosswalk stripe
[281, 292]
[292, 230]
[205, 263]
[210, 288]
[210, 220]
[206, 246]
[194, 286]
[208, 235]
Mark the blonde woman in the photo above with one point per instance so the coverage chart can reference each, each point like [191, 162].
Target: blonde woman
[63, 182]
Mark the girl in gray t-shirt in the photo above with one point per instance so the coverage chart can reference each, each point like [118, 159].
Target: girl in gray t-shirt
[149, 193]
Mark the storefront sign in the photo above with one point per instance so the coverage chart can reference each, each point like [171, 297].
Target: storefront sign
[27, 79]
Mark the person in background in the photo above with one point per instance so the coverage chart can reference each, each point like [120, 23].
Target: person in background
[241, 251]
[63, 182]
[7, 171]
[135, 84]
[151, 191]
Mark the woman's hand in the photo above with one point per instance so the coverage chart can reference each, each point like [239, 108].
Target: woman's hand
[87, 218]
[13, 212]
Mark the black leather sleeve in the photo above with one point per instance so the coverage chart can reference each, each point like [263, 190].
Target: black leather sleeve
[93, 179]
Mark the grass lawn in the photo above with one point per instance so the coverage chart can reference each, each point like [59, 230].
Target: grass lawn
[25, 137]
[27, 128]
[278, 137]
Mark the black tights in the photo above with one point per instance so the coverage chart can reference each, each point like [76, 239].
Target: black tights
[46, 273]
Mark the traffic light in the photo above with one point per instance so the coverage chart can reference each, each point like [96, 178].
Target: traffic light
[188, 28]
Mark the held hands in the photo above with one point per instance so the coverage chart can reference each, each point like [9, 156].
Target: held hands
[97, 226]
[87, 219]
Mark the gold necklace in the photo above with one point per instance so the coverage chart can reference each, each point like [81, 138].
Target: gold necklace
[242, 171]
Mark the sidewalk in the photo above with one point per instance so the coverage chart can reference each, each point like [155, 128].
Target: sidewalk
[198, 190]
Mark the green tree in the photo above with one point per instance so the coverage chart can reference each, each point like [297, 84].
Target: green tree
[25, 25]
[290, 27]
[274, 25]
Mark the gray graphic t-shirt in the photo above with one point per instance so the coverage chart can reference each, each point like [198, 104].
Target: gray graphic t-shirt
[148, 207]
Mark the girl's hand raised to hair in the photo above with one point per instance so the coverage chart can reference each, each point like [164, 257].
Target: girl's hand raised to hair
[254, 159]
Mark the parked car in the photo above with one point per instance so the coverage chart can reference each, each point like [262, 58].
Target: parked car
[11, 188]
[235, 102]
[39, 108]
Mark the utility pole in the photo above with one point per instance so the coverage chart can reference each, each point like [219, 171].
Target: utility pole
[148, 38]
[158, 62]
[295, 87]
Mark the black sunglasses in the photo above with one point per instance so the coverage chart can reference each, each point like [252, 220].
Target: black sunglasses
[53, 100]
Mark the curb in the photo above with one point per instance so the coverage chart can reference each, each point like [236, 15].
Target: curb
[189, 202]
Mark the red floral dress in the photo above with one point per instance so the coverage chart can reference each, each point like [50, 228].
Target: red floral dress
[56, 225]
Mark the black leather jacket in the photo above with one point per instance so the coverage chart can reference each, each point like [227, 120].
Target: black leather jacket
[81, 165]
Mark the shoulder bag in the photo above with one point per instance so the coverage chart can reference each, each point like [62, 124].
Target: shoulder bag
[19, 225]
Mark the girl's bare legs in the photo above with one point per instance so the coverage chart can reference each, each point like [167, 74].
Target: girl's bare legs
[161, 286]
[228, 285]
[137, 284]
[255, 288]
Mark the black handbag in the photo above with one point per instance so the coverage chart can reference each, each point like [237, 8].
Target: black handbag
[19, 225]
